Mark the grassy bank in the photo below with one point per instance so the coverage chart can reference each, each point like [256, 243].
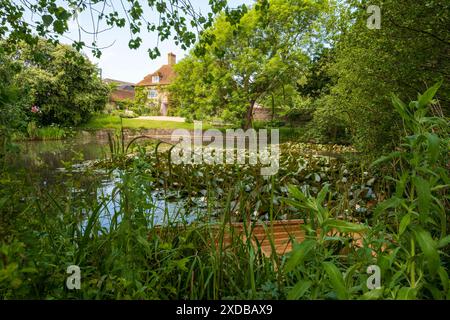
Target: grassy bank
[114, 122]
[44, 133]
[98, 122]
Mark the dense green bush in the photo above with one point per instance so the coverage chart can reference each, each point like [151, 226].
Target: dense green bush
[62, 83]
[407, 55]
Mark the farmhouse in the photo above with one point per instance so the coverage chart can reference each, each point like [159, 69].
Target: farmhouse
[155, 85]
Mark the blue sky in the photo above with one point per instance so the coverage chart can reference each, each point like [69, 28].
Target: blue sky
[122, 63]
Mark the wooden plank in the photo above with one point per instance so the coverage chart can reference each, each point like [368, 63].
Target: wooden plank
[281, 233]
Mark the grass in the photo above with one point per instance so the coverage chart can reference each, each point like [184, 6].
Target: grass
[98, 122]
[51, 133]
[114, 122]
[44, 133]
[123, 255]
[131, 259]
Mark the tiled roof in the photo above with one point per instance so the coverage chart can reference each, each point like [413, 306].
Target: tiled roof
[166, 74]
[120, 94]
[118, 82]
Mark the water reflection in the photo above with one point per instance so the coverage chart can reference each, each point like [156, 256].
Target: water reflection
[44, 164]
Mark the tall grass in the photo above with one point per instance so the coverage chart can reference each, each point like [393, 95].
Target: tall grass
[124, 254]
[52, 132]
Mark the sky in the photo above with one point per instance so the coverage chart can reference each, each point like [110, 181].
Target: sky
[118, 61]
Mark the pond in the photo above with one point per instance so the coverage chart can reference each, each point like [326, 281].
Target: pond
[50, 166]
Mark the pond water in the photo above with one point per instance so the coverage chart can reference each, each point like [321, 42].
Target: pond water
[44, 164]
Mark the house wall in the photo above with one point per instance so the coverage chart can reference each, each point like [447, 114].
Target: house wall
[162, 100]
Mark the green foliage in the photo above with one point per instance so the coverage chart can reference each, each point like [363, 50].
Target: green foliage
[407, 55]
[413, 222]
[62, 83]
[418, 210]
[32, 130]
[175, 20]
[317, 81]
[246, 61]
[11, 115]
[400, 223]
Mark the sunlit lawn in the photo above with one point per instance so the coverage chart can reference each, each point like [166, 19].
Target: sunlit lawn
[114, 122]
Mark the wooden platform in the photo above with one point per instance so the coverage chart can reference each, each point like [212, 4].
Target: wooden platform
[281, 234]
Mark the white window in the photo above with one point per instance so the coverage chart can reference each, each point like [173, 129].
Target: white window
[155, 79]
[152, 94]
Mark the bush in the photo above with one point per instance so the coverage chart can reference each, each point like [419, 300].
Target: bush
[330, 124]
[61, 82]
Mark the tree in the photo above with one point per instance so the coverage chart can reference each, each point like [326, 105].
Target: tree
[62, 83]
[246, 61]
[23, 20]
[10, 114]
[409, 53]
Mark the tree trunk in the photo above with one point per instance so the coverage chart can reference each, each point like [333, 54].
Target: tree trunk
[249, 119]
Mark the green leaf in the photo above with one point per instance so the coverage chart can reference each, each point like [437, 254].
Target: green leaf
[428, 246]
[444, 278]
[392, 155]
[47, 19]
[59, 26]
[406, 293]
[404, 223]
[298, 254]
[3, 201]
[426, 98]
[337, 281]
[344, 226]
[296, 193]
[298, 290]
[181, 264]
[444, 242]
[433, 146]
[423, 195]
[390, 203]
[435, 292]
[322, 194]
[400, 184]
[373, 294]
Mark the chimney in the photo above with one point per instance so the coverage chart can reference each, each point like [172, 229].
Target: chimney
[172, 58]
